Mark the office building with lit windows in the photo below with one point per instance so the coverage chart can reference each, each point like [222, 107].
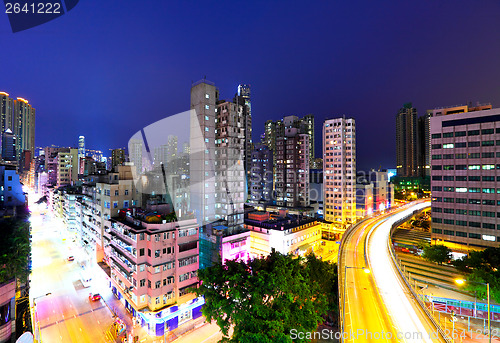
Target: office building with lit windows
[465, 183]
[339, 170]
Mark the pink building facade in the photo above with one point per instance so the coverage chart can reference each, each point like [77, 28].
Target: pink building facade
[154, 263]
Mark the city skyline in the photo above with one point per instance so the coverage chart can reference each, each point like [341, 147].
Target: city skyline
[360, 75]
[250, 172]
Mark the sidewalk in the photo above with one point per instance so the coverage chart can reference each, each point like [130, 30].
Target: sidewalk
[197, 330]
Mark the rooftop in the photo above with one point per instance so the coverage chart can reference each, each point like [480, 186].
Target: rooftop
[283, 223]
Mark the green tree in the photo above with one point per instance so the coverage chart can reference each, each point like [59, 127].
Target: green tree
[437, 253]
[14, 249]
[264, 299]
[483, 267]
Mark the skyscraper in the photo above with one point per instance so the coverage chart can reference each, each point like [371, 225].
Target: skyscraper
[464, 182]
[161, 155]
[308, 128]
[339, 170]
[204, 96]
[67, 167]
[185, 148]
[117, 157]
[424, 145]
[18, 116]
[406, 141]
[81, 146]
[6, 107]
[81, 154]
[230, 171]
[135, 154]
[261, 178]
[172, 148]
[217, 172]
[242, 98]
[275, 129]
[23, 126]
[292, 166]
[8, 146]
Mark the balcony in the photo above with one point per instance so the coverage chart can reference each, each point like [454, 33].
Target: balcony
[125, 263]
[122, 232]
[125, 248]
[120, 270]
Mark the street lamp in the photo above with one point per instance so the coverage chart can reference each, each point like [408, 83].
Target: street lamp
[367, 271]
[462, 281]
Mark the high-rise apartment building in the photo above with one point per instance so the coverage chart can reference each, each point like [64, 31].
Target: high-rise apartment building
[117, 157]
[24, 126]
[81, 154]
[6, 107]
[18, 116]
[464, 182]
[292, 167]
[261, 178]
[67, 167]
[161, 156]
[217, 172]
[406, 141]
[275, 129]
[424, 145]
[8, 145]
[154, 267]
[185, 148]
[204, 97]
[272, 128]
[230, 158]
[135, 154]
[339, 170]
[242, 98]
[81, 146]
[308, 128]
[172, 150]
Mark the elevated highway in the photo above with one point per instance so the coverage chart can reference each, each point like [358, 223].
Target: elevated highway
[376, 303]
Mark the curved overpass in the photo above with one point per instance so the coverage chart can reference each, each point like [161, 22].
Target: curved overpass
[379, 305]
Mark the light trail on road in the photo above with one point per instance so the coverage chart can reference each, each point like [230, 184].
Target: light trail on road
[379, 306]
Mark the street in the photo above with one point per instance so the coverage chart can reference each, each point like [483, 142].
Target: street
[376, 303]
[66, 314]
[63, 312]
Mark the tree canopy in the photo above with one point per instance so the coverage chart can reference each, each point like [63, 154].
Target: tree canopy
[482, 267]
[14, 249]
[264, 299]
[437, 253]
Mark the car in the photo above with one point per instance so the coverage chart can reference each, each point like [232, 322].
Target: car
[71, 258]
[94, 296]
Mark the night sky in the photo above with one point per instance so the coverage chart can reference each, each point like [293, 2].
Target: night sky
[108, 68]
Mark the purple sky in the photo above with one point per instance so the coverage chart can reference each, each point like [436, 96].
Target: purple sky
[106, 69]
